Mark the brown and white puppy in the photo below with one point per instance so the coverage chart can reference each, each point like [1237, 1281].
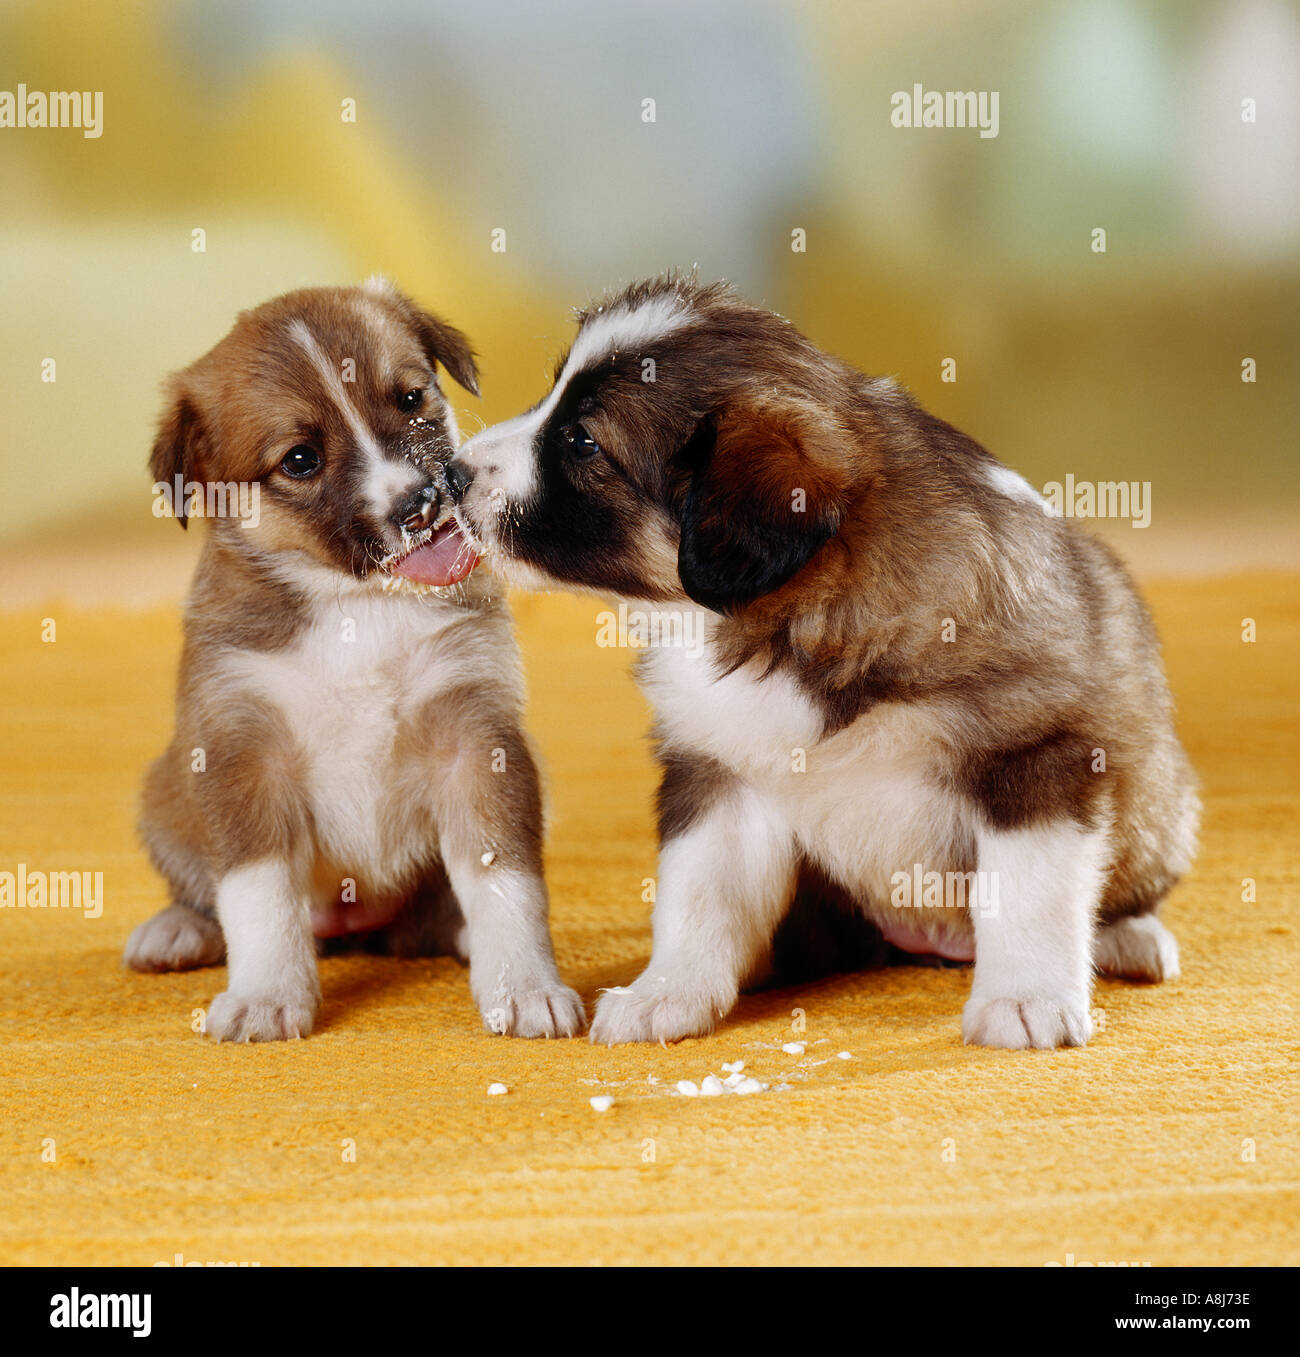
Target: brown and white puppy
[909, 671]
[348, 753]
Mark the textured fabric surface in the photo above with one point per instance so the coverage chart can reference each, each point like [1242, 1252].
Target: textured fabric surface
[127, 1138]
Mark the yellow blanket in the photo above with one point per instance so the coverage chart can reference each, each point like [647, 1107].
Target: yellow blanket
[129, 1139]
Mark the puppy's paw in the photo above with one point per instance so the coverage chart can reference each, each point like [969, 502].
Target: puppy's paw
[552, 1010]
[651, 1010]
[177, 939]
[1137, 949]
[1022, 1024]
[260, 1017]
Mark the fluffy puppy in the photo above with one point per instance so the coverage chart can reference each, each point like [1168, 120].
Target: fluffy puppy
[348, 753]
[909, 672]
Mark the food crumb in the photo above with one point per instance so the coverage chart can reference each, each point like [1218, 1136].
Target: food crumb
[495, 1090]
[711, 1087]
[688, 1088]
[734, 1067]
[846, 1055]
[793, 1048]
[602, 1103]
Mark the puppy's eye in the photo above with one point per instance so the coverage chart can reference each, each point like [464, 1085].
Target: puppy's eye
[301, 462]
[578, 441]
[411, 400]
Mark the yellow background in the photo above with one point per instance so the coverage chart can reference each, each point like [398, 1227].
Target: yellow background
[1170, 1139]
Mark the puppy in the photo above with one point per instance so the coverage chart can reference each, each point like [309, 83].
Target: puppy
[910, 672]
[348, 751]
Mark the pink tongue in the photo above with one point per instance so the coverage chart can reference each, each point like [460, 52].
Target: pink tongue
[445, 559]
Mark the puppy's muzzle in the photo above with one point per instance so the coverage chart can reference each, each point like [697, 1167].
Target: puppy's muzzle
[417, 511]
[458, 475]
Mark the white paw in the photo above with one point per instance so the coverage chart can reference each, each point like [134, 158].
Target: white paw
[1139, 948]
[652, 1010]
[260, 1017]
[177, 939]
[1022, 1024]
[552, 1010]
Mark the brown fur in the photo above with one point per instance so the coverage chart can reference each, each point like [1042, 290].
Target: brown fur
[898, 529]
[444, 672]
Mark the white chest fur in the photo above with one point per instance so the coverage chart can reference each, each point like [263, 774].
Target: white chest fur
[344, 686]
[865, 803]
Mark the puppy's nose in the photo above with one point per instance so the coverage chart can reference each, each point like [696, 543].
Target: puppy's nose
[417, 510]
[458, 475]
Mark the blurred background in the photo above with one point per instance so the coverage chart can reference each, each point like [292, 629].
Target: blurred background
[769, 118]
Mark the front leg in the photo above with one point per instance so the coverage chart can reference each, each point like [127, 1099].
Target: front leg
[1033, 937]
[489, 813]
[725, 881]
[261, 837]
[512, 971]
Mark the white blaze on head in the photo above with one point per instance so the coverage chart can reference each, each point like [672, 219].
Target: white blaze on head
[503, 458]
[385, 481]
[379, 286]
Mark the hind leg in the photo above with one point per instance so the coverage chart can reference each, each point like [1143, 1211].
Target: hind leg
[1137, 948]
[185, 935]
[1033, 981]
[176, 939]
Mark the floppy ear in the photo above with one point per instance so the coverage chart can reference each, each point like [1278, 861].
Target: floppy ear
[765, 493]
[442, 343]
[445, 344]
[178, 445]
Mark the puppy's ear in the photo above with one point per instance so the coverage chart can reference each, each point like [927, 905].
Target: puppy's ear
[179, 444]
[445, 344]
[766, 490]
[442, 343]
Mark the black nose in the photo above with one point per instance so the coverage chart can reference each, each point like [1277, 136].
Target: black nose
[417, 510]
[458, 477]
